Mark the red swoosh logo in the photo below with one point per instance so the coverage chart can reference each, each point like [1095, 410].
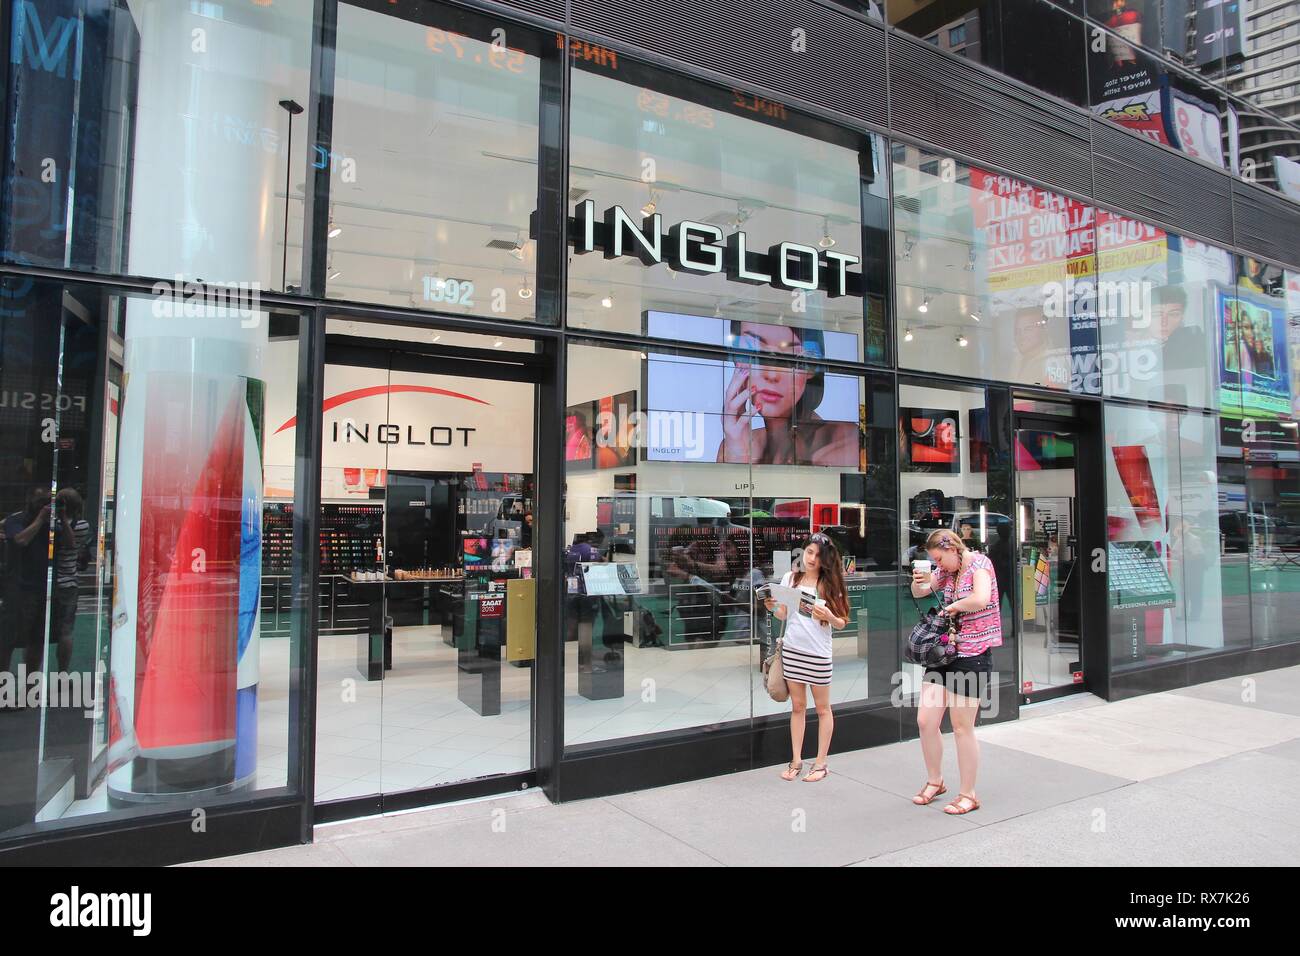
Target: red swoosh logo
[358, 393]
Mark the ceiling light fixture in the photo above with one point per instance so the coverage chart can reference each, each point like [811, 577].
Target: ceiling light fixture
[607, 302]
[826, 241]
[525, 292]
[963, 341]
[497, 344]
[907, 335]
[975, 316]
[648, 209]
[334, 228]
[924, 306]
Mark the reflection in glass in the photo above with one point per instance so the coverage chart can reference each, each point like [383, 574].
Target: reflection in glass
[1160, 305]
[421, 110]
[1164, 567]
[995, 276]
[1143, 93]
[646, 143]
[119, 165]
[143, 554]
[1032, 41]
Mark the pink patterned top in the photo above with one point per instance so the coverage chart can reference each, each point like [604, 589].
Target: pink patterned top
[980, 630]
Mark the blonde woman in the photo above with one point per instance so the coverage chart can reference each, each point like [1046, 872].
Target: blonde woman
[806, 649]
[965, 583]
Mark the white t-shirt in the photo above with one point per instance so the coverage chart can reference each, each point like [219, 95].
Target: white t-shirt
[805, 634]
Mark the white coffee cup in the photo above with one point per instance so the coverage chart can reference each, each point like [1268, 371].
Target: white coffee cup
[922, 566]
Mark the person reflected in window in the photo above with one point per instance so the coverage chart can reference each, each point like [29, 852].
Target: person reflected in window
[786, 398]
[1035, 363]
[26, 558]
[71, 556]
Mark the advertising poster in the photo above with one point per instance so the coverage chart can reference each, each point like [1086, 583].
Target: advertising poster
[1031, 240]
[745, 409]
[1196, 127]
[1255, 354]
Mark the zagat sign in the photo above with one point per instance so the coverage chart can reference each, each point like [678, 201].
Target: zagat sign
[701, 248]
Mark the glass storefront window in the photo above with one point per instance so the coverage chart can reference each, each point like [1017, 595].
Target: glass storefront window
[1159, 301]
[955, 473]
[1262, 329]
[1198, 35]
[1164, 568]
[434, 168]
[994, 276]
[1144, 93]
[676, 507]
[142, 664]
[151, 139]
[711, 190]
[1266, 150]
[1032, 41]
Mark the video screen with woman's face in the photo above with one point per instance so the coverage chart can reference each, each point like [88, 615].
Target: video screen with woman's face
[751, 409]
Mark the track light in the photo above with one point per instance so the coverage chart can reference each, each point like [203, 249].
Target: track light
[334, 274]
[826, 241]
[334, 230]
[525, 292]
[975, 316]
[924, 306]
[907, 335]
[963, 341]
[648, 209]
[497, 344]
[607, 302]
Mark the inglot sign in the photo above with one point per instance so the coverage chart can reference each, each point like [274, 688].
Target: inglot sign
[701, 248]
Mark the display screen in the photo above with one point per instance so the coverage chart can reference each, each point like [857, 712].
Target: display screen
[930, 440]
[1253, 354]
[579, 432]
[601, 433]
[746, 410]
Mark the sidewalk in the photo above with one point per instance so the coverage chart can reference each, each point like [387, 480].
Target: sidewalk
[1189, 777]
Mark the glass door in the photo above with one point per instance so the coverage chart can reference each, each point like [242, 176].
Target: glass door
[1049, 563]
[428, 620]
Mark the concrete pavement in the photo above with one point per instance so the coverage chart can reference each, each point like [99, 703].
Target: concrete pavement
[1207, 775]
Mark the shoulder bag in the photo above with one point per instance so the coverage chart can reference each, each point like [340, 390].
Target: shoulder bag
[933, 641]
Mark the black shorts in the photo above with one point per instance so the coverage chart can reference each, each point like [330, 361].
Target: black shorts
[965, 676]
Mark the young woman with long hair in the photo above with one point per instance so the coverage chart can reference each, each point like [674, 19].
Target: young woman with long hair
[806, 648]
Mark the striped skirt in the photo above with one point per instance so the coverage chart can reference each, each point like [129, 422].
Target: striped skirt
[804, 668]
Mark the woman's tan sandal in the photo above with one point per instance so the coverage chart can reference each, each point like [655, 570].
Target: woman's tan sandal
[956, 809]
[813, 774]
[921, 800]
[792, 771]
